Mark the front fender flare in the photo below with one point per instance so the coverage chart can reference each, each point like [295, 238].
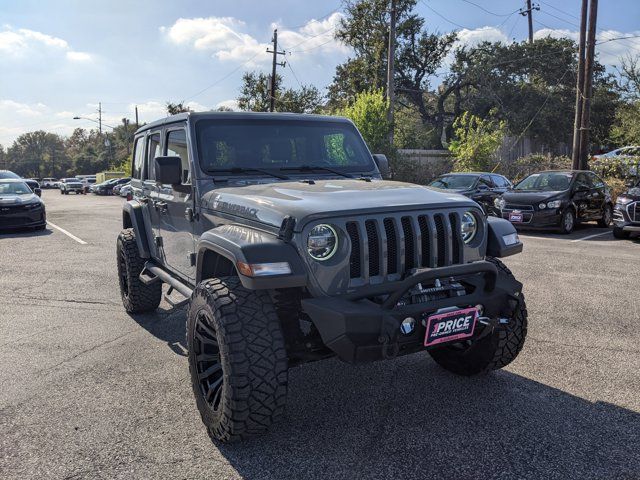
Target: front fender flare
[499, 228]
[132, 217]
[239, 243]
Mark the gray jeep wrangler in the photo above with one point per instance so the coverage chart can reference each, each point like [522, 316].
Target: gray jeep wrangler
[290, 248]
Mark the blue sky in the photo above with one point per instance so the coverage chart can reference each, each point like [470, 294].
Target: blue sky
[60, 58]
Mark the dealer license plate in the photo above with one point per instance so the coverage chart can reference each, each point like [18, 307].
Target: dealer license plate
[515, 217]
[450, 326]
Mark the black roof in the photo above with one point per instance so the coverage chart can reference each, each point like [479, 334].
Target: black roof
[193, 116]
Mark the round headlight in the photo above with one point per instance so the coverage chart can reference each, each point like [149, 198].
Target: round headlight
[322, 242]
[542, 206]
[468, 227]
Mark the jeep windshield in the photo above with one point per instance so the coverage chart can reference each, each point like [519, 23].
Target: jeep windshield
[546, 182]
[271, 147]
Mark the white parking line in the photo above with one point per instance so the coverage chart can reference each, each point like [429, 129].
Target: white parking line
[591, 236]
[70, 235]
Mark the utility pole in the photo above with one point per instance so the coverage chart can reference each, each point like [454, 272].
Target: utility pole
[274, 64]
[577, 121]
[391, 54]
[588, 82]
[137, 124]
[100, 116]
[528, 13]
[125, 121]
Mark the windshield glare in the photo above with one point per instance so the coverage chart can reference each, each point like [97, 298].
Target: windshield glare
[271, 145]
[550, 181]
[454, 182]
[14, 188]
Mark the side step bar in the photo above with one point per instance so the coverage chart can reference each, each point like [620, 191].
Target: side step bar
[152, 273]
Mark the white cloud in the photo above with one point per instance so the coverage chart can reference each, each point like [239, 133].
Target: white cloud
[609, 52]
[219, 35]
[471, 38]
[231, 103]
[224, 38]
[22, 43]
[17, 118]
[78, 56]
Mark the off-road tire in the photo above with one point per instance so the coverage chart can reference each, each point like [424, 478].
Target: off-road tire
[620, 234]
[564, 228]
[494, 351]
[606, 221]
[137, 297]
[251, 357]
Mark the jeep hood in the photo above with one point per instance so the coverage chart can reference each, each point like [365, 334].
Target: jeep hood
[270, 203]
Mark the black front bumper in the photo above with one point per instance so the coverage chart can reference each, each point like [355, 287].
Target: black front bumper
[21, 217]
[358, 329]
[626, 218]
[534, 219]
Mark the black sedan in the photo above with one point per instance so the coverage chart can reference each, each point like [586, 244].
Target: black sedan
[626, 213]
[482, 187]
[557, 199]
[106, 188]
[20, 207]
[33, 184]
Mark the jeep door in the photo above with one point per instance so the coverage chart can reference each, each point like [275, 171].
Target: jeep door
[175, 205]
[140, 189]
[150, 189]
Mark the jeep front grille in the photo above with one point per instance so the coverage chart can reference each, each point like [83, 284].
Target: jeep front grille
[391, 246]
[633, 209]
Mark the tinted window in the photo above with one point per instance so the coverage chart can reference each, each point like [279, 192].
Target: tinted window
[138, 156]
[500, 181]
[269, 144]
[153, 151]
[177, 147]
[455, 182]
[547, 181]
[596, 181]
[486, 180]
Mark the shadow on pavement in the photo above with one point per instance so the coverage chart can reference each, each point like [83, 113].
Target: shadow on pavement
[409, 419]
[167, 325]
[24, 232]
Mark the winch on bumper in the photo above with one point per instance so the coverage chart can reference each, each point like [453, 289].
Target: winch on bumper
[367, 326]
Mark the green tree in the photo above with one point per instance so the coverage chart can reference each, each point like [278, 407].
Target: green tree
[255, 95]
[38, 154]
[175, 108]
[369, 113]
[475, 143]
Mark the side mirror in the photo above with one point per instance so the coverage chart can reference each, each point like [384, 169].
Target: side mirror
[37, 191]
[168, 170]
[382, 163]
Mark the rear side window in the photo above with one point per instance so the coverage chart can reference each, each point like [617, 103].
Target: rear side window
[138, 158]
[153, 151]
[176, 146]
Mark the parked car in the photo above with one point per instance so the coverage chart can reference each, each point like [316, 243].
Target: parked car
[290, 247]
[87, 181]
[482, 187]
[106, 188]
[50, 183]
[20, 207]
[624, 152]
[125, 191]
[626, 213]
[557, 199]
[68, 185]
[118, 188]
[33, 184]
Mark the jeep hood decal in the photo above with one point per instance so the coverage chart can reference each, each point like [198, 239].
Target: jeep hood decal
[270, 203]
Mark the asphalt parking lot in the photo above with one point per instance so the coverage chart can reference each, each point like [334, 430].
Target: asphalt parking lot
[89, 391]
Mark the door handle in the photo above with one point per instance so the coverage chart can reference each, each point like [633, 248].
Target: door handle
[188, 214]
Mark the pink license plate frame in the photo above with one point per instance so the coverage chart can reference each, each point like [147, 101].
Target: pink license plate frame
[450, 326]
[516, 217]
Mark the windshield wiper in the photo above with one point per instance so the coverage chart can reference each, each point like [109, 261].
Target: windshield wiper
[247, 170]
[311, 168]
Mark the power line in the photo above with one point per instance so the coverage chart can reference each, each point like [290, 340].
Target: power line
[316, 19]
[617, 38]
[312, 48]
[312, 37]
[293, 73]
[443, 17]
[489, 12]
